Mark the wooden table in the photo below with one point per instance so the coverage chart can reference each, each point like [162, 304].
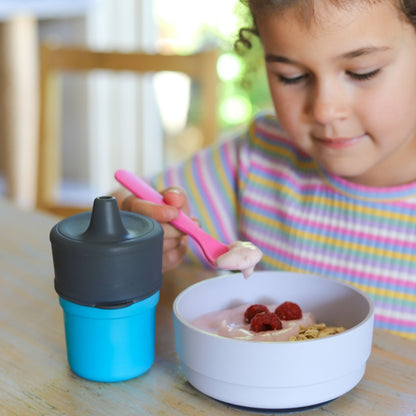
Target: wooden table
[35, 378]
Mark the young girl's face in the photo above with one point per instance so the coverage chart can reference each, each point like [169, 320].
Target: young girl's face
[344, 88]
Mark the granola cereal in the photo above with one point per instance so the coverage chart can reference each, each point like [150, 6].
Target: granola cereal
[320, 330]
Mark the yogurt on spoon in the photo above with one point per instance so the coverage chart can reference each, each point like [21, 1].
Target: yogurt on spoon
[240, 255]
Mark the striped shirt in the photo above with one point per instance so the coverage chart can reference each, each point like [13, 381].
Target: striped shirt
[258, 187]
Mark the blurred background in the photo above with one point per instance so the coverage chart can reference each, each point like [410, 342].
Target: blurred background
[107, 120]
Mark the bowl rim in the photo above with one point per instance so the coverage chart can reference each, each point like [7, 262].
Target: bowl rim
[183, 293]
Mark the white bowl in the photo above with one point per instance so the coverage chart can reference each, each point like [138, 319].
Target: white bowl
[275, 375]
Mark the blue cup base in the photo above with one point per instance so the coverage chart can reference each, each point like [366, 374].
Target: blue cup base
[110, 345]
[108, 378]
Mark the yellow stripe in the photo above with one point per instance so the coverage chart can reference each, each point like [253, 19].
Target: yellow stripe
[362, 248]
[278, 265]
[192, 258]
[401, 296]
[275, 149]
[229, 191]
[197, 199]
[373, 211]
[365, 288]
[386, 293]
[160, 184]
[407, 335]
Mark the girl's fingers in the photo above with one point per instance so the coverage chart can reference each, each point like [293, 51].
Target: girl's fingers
[173, 258]
[159, 212]
[175, 196]
[171, 232]
[174, 241]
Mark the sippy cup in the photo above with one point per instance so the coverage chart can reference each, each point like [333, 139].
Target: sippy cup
[108, 273]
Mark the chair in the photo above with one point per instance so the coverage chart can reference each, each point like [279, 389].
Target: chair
[18, 103]
[200, 67]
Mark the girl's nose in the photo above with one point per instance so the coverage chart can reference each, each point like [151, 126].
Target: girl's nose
[328, 104]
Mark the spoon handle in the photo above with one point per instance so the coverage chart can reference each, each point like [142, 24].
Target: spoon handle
[211, 247]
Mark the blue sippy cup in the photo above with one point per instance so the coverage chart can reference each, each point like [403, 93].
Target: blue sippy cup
[108, 273]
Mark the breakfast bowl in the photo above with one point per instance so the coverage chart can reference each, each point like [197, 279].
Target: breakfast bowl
[282, 374]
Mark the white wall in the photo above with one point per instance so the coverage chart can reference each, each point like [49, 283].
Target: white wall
[124, 126]
[109, 120]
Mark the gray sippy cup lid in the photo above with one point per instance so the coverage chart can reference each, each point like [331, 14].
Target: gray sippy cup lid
[107, 258]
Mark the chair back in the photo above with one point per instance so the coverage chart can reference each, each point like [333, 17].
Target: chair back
[200, 67]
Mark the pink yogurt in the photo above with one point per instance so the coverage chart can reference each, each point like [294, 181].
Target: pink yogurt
[242, 255]
[230, 323]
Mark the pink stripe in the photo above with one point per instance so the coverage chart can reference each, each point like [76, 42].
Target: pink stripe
[277, 174]
[169, 178]
[338, 269]
[172, 178]
[404, 204]
[330, 228]
[242, 164]
[271, 172]
[271, 134]
[231, 164]
[208, 195]
[380, 190]
[395, 321]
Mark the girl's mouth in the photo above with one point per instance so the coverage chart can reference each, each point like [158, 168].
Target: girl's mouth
[339, 142]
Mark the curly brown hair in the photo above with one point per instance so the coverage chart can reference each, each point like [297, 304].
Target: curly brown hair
[305, 8]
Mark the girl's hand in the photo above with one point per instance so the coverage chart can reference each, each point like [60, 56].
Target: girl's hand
[175, 242]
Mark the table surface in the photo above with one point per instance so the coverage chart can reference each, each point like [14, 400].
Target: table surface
[35, 378]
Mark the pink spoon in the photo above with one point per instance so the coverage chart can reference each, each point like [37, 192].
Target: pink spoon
[211, 247]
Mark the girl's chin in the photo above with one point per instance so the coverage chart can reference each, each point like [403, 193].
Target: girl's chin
[366, 178]
[345, 171]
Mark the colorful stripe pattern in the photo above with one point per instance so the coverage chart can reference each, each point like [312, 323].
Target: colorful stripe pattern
[257, 187]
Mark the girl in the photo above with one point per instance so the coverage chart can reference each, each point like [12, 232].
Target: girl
[327, 184]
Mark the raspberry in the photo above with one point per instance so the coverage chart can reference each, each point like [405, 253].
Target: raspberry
[253, 310]
[265, 321]
[288, 311]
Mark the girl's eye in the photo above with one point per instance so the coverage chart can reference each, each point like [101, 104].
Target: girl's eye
[363, 77]
[291, 81]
